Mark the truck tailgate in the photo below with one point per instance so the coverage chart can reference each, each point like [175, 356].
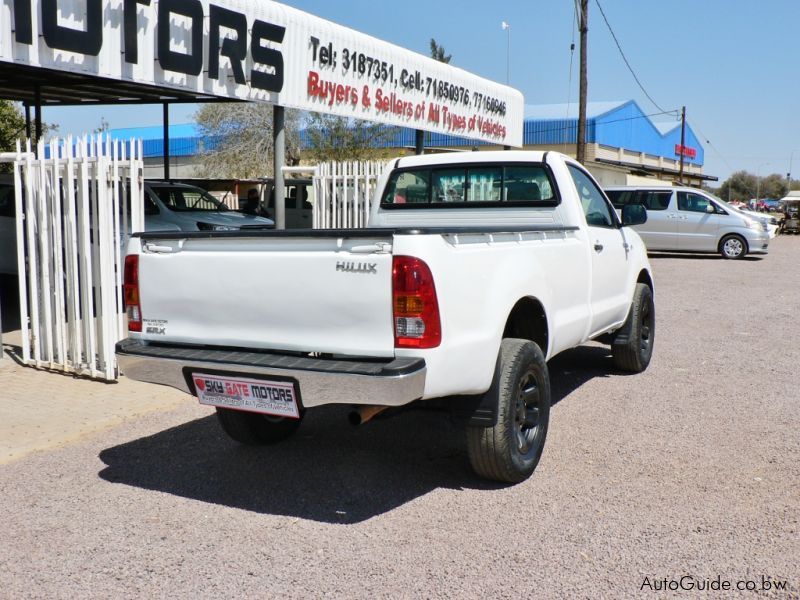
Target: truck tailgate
[306, 294]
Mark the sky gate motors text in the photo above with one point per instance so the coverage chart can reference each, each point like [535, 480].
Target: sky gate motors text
[89, 41]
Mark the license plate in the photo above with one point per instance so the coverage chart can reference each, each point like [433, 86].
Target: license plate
[269, 397]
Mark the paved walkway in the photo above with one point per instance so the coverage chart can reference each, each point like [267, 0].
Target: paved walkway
[40, 410]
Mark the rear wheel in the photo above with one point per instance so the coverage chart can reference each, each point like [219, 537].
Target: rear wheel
[733, 247]
[510, 451]
[255, 429]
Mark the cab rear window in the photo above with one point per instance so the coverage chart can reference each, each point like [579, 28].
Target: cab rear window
[476, 185]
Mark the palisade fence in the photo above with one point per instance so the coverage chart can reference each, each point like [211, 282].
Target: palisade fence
[342, 193]
[76, 203]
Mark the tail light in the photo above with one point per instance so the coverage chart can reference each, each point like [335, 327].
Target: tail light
[415, 307]
[131, 289]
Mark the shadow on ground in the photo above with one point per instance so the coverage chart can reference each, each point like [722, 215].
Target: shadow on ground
[329, 471]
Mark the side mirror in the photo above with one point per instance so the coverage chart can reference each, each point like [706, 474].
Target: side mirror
[710, 209]
[634, 214]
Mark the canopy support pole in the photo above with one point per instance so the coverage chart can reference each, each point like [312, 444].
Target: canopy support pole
[419, 140]
[279, 152]
[166, 140]
[38, 116]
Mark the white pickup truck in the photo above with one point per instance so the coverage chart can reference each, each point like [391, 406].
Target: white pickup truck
[476, 269]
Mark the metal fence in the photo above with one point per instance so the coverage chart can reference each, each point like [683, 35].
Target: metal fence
[76, 203]
[342, 193]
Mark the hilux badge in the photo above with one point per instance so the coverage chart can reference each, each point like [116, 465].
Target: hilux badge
[356, 267]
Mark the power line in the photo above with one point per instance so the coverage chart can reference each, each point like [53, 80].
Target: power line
[616, 41]
[573, 25]
[708, 141]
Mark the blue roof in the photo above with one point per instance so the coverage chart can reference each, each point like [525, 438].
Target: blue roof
[619, 124]
[546, 112]
[615, 124]
[185, 139]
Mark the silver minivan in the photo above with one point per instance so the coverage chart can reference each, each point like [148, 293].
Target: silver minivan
[685, 219]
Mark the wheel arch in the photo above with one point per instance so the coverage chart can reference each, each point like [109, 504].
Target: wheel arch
[645, 278]
[528, 321]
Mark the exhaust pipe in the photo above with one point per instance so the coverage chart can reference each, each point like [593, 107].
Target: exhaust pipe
[362, 414]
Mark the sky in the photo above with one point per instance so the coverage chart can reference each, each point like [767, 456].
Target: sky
[732, 63]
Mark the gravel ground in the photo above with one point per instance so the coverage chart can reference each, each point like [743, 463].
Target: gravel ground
[688, 469]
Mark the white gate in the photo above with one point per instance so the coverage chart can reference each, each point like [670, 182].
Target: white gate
[76, 203]
[342, 193]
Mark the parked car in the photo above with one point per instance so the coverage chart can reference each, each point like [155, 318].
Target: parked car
[685, 219]
[190, 208]
[167, 207]
[773, 224]
[298, 202]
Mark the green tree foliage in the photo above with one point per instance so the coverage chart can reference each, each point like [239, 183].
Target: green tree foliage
[437, 53]
[743, 186]
[339, 139]
[12, 128]
[12, 125]
[773, 186]
[243, 136]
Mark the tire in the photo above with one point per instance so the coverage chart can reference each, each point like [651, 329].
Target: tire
[254, 429]
[733, 247]
[632, 348]
[510, 451]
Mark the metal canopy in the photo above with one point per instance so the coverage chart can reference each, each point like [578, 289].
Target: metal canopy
[60, 88]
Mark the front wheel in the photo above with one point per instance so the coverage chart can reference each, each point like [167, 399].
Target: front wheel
[255, 429]
[733, 247]
[510, 451]
[632, 347]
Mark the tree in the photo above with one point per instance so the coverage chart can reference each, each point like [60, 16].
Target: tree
[12, 128]
[743, 186]
[773, 186]
[437, 53]
[12, 125]
[330, 137]
[239, 139]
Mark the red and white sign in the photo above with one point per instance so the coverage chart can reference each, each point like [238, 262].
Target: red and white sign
[686, 151]
[259, 50]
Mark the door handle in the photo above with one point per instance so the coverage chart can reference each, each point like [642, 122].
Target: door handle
[598, 247]
[156, 249]
[377, 248]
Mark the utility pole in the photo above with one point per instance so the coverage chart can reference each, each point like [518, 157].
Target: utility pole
[583, 21]
[683, 140]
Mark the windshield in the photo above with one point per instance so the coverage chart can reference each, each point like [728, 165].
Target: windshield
[184, 199]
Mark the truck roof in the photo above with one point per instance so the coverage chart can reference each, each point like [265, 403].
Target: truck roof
[461, 158]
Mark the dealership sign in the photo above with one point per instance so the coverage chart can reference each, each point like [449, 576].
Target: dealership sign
[686, 151]
[258, 50]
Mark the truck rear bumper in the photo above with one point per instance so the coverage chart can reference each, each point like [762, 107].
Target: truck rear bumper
[322, 381]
